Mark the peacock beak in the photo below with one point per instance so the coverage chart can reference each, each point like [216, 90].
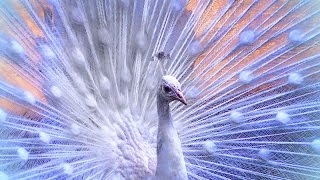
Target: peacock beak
[181, 98]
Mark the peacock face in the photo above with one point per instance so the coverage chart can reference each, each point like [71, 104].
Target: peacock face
[171, 89]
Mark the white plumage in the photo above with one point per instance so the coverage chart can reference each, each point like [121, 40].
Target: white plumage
[79, 82]
[170, 159]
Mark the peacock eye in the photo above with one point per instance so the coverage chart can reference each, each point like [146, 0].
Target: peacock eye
[167, 89]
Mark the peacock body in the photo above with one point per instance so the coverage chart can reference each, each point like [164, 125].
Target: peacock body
[79, 83]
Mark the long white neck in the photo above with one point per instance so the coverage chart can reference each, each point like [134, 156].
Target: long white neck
[170, 159]
[164, 114]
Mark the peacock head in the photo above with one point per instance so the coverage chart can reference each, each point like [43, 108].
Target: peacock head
[170, 89]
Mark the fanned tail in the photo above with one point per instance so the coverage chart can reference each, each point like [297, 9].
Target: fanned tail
[255, 93]
[78, 82]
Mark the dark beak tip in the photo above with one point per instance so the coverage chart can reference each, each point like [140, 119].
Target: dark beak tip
[184, 102]
[181, 98]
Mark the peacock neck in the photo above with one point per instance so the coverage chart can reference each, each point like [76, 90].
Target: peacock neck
[170, 160]
[165, 120]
